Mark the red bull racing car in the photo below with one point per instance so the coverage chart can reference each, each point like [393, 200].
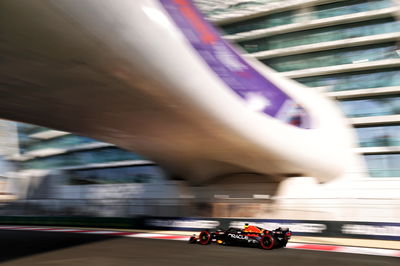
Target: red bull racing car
[252, 236]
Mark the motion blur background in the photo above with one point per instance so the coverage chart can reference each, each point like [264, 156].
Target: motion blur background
[347, 50]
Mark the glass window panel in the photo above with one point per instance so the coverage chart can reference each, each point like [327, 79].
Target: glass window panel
[371, 107]
[82, 158]
[349, 7]
[128, 174]
[358, 80]
[259, 23]
[288, 17]
[333, 57]
[331, 33]
[62, 142]
[379, 136]
[383, 165]
[30, 129]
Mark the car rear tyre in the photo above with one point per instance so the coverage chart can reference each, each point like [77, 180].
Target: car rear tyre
[205, 238]
[267, 242]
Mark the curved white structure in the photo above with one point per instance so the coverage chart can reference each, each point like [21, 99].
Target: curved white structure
[154, 77]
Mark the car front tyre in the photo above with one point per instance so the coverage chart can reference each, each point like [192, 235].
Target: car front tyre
[205, 238]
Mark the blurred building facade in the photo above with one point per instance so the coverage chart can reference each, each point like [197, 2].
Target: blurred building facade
[8, 147]
[88, 161]
[349, 50]
[58, 172]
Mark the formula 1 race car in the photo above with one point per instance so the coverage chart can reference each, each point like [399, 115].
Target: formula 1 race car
[251, 236]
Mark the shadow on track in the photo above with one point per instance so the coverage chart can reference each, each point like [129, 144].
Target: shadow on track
[62, 249]
[17, 244]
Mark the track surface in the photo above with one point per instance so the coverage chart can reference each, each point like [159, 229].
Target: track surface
[47, 248]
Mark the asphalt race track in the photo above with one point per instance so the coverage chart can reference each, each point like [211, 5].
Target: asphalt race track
[51, 248]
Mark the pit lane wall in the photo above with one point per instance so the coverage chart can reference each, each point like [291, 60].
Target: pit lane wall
[314, 228]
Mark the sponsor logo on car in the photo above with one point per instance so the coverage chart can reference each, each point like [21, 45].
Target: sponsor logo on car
[238, 236]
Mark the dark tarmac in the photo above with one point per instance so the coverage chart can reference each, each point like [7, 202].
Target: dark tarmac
[50, 248]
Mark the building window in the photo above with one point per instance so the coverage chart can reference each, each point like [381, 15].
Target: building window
[66, 141]
[332, 33]
[349, 7]
[379, 136]
[371, 107]
[383, 165]
[260, 23]
[354, 81]
[333, 57]
[102, 155]
[118, 175]
[305, 14]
